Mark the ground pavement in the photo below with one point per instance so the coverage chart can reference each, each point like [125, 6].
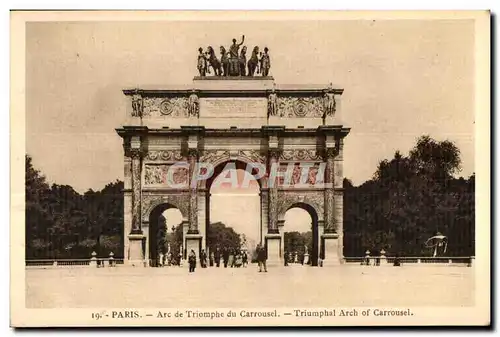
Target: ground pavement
[298, 286]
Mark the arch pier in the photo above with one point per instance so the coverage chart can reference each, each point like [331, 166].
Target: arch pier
[171, 135]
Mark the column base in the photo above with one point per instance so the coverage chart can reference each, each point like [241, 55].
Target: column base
[331, 248]
[136, 256]
[273, 244]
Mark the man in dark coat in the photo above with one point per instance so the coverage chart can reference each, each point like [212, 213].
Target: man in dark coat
[192, 261]
[261, 257]
[217, 257]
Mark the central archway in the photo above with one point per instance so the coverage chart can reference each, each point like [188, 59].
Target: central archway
[233, 208]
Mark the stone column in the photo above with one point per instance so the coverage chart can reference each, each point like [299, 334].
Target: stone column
[193, 193]
[136, 237]
[273, 237]
[127, 203]
[332, 237]
[273, 195]
[264, 216]
[193, 237]
[339, 196]
[136, 191]
[329, 190]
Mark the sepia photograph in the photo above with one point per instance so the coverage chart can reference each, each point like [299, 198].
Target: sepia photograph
[250, 168]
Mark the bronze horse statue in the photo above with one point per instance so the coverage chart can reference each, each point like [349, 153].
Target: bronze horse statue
[253, 62]
[214, 62]
[224, 60]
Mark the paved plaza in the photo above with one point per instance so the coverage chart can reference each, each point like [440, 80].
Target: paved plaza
[347, 285]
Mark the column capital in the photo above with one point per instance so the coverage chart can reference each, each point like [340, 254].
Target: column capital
[136, 153]
[330, 152]
[193, 153]
[274, 153]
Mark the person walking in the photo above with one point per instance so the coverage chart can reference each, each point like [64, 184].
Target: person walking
[238, 260]
[261, 257]
[217, 257]
[179, 258]
[192, 261]
[203, 259]
[245, 259]
[225, 256]
[231, 258]
[211, 259]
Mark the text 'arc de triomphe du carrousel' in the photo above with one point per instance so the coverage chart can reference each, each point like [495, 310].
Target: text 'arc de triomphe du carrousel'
[178, 139]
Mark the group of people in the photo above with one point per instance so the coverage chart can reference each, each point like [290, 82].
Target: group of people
[228, 257]
[169, 259]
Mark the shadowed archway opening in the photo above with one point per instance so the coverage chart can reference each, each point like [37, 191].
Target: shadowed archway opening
[301, 235]
[165, 235]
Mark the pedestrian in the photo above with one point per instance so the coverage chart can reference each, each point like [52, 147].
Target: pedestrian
[225, 256]
[238, 260]
[231, 258]
[261, 257]
[245, 259]
[192, 261]
[212, 257]
[217, 257]
[160, 259]
[203, 259]
[397, 261]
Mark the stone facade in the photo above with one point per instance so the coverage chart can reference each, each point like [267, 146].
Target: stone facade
[168, 131]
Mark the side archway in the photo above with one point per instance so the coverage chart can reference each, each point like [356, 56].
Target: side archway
[163, 237]
[313, 251]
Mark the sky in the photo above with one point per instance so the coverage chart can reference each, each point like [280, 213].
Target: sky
[401, 80]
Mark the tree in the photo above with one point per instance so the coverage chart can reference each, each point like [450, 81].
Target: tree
[36, 216]
[296, 242]
[408, 199]
[218, 234]
[61, 223]
[438, 160]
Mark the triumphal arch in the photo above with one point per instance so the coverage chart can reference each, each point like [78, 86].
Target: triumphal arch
[176, 139]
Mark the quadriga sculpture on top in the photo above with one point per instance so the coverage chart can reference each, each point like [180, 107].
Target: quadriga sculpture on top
[233, 62]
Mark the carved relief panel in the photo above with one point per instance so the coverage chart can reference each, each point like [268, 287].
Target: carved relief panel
[296, 176]
[311, 107]
[300, 155]
[166, 175]
[214, 156]
[166, 107]
[165, 155]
